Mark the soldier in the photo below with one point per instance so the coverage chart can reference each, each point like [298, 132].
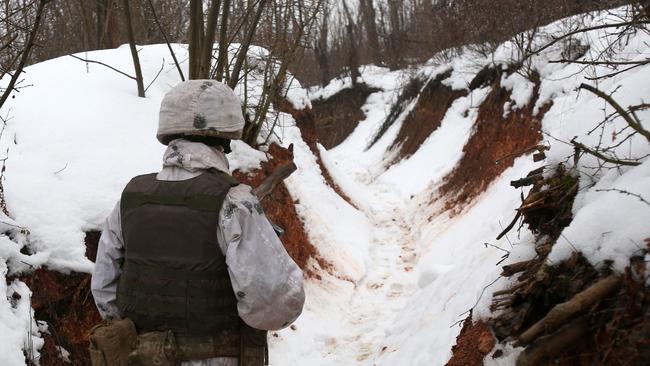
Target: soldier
[187, 255]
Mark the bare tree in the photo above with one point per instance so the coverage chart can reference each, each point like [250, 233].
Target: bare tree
[321, 48]
[21, 55]
[353, 45]
[134, 51]
[369, 16]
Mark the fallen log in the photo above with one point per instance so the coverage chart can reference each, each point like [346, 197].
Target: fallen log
[565, 311]
[542, 350]
[510, 290]
[514, 268]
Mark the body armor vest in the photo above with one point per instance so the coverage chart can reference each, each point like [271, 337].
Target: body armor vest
[175, 276]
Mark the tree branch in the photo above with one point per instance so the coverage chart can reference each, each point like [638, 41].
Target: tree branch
[603, 157]
[162, 32]
[103, 64]
[26, 52]
[622, 112]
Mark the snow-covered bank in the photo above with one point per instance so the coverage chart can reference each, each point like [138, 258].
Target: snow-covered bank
[453, 270]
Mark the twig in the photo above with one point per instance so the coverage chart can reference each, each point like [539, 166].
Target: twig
[605, 158]
[62, 169]
[626, 193]
[103, 64]
[510, 226]
[479, 298]
[162, 32]
[606, 63]
[497, 247]
[626, 116]
[603, 26]
[156, 77]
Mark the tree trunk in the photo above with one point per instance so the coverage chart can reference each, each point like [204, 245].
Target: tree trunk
[353, 49]
[321, 49]
[100, 13]
[395, 35]
[243, 48]
[208, 44]
[369, 18]
[134, 52]
[196, 18]
[112, 25]
[223, 41]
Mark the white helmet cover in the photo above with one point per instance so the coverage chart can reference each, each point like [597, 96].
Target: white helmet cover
[200, 108]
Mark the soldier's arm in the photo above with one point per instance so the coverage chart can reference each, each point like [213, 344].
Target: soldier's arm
[267, 282]
[108, 266]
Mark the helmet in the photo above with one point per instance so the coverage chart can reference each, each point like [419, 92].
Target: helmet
[200, 108]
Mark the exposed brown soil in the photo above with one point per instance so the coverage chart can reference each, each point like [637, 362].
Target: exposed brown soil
[337, 116]
[495, 143]
[305, 120]
[280, 209]
[410, 91]
[65, 302]
[473, 343]
[431, 107]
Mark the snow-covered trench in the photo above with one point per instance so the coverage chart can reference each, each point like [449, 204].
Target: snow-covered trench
[404, 272]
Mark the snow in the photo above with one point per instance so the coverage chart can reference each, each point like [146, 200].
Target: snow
[521, 88]
[403, 271]
[73, 139]
[330, 221]
[618, 234]
[452, 262]
[18, 329]
[440, 152]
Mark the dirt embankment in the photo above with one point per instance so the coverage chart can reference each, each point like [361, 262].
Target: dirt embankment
[280, 209]
[493, 147]
[337, 116]
[432, 105]
[306, 122]
[66, 303]
[472, 345]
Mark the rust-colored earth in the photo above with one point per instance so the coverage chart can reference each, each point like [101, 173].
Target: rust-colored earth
[306, 122]
[431, 107]
[473, 343]
[493, 147]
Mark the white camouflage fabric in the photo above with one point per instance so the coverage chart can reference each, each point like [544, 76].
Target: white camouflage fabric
[259, 266]
[201, 108]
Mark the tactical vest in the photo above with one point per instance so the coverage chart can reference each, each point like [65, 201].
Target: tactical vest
[174, 275]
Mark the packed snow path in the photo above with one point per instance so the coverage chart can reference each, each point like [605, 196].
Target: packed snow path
[381, 295]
